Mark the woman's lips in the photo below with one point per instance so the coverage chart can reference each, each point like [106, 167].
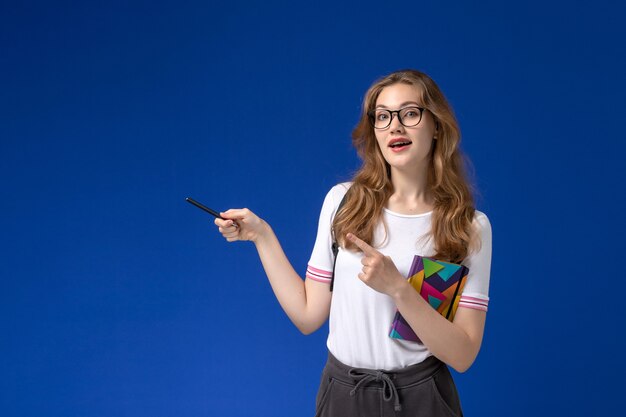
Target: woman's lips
[397, 149]
[399, 144]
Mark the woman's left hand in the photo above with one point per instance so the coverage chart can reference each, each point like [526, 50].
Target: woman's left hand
[379, 272]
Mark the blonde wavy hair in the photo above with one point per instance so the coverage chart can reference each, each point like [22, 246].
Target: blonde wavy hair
[453, 212]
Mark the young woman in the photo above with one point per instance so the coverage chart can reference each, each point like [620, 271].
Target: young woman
[410, 197]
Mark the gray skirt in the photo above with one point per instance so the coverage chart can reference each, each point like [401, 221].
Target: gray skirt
[424, 389]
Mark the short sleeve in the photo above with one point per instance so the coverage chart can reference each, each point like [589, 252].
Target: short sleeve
[476, 291]
[320, 264]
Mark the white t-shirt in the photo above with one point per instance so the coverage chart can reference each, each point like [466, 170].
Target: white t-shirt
[360, 317]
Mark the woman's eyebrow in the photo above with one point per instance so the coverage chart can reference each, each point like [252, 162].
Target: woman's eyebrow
[382, 106]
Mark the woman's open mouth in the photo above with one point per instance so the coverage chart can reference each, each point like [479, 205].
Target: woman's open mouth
[398, 145]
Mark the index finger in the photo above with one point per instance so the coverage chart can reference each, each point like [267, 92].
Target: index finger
[234, 213]
[367, 249]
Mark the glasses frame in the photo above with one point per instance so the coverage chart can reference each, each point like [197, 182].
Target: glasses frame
[372, 116]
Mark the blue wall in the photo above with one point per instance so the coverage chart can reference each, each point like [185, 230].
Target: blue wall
[117, 298]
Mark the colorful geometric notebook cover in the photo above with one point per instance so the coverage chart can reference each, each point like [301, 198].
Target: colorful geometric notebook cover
[440, 283]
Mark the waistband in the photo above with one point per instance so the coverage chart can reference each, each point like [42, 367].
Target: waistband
[388, 380]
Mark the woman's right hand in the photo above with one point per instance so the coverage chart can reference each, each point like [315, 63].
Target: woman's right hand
[241, 224]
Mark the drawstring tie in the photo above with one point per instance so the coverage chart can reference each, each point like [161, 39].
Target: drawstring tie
[364, 376]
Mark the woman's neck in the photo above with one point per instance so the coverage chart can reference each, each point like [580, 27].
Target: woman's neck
[410, 193]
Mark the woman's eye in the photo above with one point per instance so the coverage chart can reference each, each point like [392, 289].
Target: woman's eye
[381, 116]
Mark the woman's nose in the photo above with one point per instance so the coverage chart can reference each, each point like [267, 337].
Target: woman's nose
[395, 123]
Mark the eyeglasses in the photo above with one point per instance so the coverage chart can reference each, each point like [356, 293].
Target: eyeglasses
[408, 116]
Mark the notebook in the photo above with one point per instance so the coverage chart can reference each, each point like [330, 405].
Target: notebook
[440, 284]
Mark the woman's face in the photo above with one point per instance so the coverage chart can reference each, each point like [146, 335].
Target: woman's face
[413, 155]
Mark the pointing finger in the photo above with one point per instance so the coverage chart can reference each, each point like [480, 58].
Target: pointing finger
[367, 249]
[235, 213]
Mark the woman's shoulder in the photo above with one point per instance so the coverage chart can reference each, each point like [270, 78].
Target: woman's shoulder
[335, 195]
[481, 220]
[338, 191]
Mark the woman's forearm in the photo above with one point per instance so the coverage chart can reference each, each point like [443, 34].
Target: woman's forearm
[444, 339]
[287, 285]
[307, 303]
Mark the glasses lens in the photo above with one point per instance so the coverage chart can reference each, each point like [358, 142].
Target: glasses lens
[382, 119]
[410, 116]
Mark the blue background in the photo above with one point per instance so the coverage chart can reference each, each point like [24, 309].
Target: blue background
[117, 298]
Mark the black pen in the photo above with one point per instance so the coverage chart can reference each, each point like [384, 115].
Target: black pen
[203, 207]
[208, 210]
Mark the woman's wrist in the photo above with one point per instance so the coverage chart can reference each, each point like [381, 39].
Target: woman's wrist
[264, 234]
[400, 290]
